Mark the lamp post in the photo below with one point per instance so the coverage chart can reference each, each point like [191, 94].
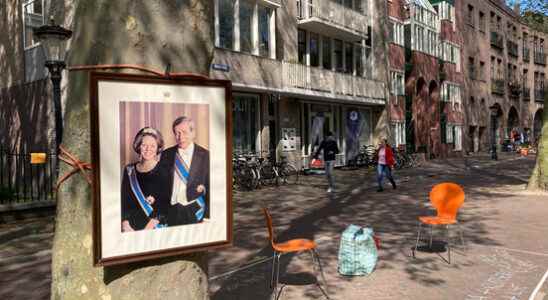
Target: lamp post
[494, 113]
[53, 39]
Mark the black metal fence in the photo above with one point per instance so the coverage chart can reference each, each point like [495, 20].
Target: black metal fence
[22, 182]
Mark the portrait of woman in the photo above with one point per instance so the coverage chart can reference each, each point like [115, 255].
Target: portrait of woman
[144, 193]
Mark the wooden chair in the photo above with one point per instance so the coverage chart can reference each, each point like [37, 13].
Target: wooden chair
[291, 246]
[447, 198]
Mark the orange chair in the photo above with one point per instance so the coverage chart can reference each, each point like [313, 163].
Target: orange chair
[291, 246]
[447, 198]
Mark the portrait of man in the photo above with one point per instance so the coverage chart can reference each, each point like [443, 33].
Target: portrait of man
[187, 166]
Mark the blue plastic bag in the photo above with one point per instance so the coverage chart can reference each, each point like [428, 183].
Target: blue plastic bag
[357, 251]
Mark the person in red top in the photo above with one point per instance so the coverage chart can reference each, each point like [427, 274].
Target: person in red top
[385, 163]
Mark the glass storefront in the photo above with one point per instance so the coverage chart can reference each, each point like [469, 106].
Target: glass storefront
[245, 123]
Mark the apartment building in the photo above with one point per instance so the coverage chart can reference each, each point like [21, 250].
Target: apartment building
[26, 114]
[300, 69]
[505, 68]
[426, 111]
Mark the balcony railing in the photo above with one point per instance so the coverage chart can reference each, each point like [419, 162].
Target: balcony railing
[497, 86]
[332, 14]
[314, 79]
[526, 55]
[526, 93]
[512, 48]
[539, 95]
[540, 58]
[497, 41]
[515, 89]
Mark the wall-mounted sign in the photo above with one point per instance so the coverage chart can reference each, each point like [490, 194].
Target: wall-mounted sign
[221, 67]
[289, 139]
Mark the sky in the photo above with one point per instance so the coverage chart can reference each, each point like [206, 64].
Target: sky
[538, 5]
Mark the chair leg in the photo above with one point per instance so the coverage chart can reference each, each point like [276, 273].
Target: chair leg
[461, 237]
[315, 254]
[430, 244]
[418, 238]
[448, 245]
[277, 272]
[273, 268]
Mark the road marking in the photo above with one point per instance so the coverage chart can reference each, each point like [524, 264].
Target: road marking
[534, 294]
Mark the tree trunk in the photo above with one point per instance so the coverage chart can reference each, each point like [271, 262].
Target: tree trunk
[151, 33]
[539, 177]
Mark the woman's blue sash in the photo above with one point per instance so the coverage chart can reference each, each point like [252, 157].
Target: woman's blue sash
[138, 193]
[182, 171]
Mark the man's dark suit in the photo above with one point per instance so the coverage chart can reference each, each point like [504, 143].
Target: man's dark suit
[198, 175]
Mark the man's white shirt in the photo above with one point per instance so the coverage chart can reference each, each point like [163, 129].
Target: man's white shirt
[179, 187]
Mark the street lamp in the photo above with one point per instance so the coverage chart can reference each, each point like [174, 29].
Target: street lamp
[53, 39]
[494, 114]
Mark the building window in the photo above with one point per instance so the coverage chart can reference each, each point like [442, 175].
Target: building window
[397, 86]
[458, 137]
[349, 55]
[359, 53]
[226, 23]
[471, 68]
[246, 119]
[450, 53]
[470, 16]
[246, 26]
[314, 49]
[398, 133]
[265, 15]
[482, 22]
[481, 71]
[338, 51]
[451, 92]
[449, 133]
[396, 32]
[302, 46]
[326, 53]
[34, 17]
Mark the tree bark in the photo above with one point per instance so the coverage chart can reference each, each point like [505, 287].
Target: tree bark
[539, 177]
[152, 33]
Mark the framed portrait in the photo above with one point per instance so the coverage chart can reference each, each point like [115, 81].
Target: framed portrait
[161, 155]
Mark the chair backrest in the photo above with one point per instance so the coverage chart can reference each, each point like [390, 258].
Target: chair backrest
[268, 219]
[447, 198]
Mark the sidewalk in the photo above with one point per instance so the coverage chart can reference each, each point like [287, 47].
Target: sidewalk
[504, 228]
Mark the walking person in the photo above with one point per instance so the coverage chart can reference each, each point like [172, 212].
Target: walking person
[385, 163]
[330, 150]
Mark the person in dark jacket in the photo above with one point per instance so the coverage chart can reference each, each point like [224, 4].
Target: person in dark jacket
[330, 150]
[187, 164]
[385, 163]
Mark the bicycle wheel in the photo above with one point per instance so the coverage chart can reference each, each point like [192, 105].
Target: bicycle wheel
[244, 178]
[268, 176]
[288, 174]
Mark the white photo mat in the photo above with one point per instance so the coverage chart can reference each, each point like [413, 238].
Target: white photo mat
[113, 242]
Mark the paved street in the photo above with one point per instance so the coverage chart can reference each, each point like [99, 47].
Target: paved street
[504, 227]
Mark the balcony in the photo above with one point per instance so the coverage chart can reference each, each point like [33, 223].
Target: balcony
[526, 93]
[254, 73]
[540, 58]
[539, 96]
[497, 41]
[314, 81]
[526, 55]
[512, 48]
[515, 89]
[497, 86]
[332, 19]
